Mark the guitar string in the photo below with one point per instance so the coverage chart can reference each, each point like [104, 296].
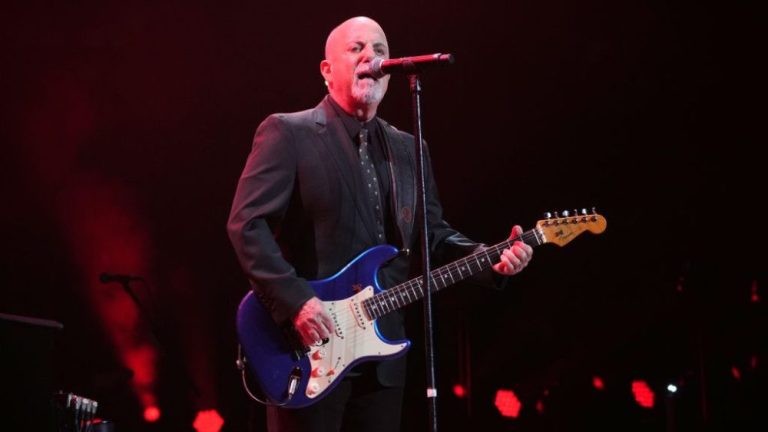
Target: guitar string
[384, 298]
[349, 323]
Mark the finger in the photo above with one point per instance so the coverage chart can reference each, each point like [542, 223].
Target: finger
[507, 264]
[502, 269]
[328, 325]
[520, 252]
[322, 331]
[517, 231]
[309, 337]
[323, 324]
[525, 246]
[512, 257]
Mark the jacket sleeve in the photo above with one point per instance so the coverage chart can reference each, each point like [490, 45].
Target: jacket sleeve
[261, 200]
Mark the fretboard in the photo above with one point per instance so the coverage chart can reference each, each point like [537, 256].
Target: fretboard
[408, 292]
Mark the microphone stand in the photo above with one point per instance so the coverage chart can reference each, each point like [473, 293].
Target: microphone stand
[429, 355]
[154, 329]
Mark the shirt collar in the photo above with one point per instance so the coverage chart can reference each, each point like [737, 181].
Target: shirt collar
[351, 124]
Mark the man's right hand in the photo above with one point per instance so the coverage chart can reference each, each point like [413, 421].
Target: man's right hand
[312, 322]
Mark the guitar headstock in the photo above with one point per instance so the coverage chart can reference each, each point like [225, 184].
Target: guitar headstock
[562, 229]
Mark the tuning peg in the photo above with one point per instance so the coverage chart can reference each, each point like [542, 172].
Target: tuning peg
[583, 212]
[547, 215]
[566, 213]
[575, 212]
[594, 211]
[556, 215]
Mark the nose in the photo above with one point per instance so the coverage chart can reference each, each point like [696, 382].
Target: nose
[368, 53]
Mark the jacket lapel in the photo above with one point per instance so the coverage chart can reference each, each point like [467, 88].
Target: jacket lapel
[402, 175]
[339, 146]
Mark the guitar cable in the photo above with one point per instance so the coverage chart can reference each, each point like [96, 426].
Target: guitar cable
[292, 384]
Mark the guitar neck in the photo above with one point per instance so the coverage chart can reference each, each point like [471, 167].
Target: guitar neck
[410, 291]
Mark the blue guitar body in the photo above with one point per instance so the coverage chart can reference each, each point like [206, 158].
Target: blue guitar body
[278, 362]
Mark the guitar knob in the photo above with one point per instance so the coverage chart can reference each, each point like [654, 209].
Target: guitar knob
[319, 354]
[319, 371]
[313, 388]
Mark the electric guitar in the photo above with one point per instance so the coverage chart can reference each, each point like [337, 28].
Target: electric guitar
[294, 376]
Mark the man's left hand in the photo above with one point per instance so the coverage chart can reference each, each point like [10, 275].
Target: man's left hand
[514, 259]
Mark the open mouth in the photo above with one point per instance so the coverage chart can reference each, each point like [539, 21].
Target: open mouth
[365, 74]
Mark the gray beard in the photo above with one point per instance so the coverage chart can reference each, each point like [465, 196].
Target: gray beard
[368, 95]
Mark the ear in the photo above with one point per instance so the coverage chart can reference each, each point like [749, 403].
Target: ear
[325, 71]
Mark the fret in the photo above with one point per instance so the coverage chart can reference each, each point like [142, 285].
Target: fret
[409, 296]
[438, 282]
[403, 295]
[488, 256]
[383, 304]
[393, 300]
[479, 266]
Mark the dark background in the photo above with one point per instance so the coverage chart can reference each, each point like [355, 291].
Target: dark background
[125, 126]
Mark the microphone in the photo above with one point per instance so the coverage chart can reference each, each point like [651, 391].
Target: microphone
[380, 67]
[110, 277]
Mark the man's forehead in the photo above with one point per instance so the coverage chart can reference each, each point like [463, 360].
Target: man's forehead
[369, 33]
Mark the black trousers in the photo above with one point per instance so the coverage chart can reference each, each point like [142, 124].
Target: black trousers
[357, 404]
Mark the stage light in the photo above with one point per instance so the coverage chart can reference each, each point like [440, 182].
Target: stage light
[507, 403]
[736, 373]
[598, 383]
[643, 394]
[754, 296]
[208, 421]
[459, 391]
[151, 414]
[671, 388]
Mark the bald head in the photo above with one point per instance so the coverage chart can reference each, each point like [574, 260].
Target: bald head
[349, 50]
[340, 32]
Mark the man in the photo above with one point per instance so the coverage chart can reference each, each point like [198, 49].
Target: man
[310, 200]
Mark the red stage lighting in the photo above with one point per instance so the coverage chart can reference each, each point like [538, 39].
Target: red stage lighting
[735, 372]
[459, 391]
[151, 414]
[507, 403]
[754, 296]
[643, 394]
[598, 383]
[208, 421]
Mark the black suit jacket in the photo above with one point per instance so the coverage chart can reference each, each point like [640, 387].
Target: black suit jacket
[301, 213]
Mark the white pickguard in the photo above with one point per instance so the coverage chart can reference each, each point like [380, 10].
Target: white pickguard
[354, 337]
